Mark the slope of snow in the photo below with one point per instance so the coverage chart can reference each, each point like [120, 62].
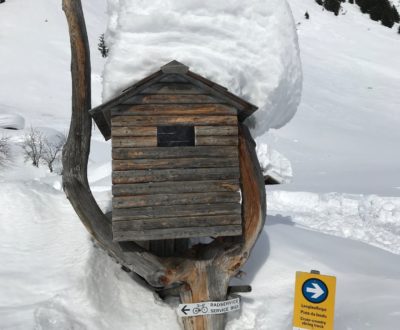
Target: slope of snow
[249, 47]
[345, 134]
[35, 58]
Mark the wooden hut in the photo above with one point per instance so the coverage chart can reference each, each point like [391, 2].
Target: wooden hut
[175, 166]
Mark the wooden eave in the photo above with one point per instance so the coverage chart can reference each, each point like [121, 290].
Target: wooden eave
[102, 113]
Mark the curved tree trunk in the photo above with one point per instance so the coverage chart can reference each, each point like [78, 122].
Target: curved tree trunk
[76, 154]
[205, 270]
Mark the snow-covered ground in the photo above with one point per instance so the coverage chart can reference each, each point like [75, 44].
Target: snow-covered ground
[345, 134]
[335, 218]
[53, 277]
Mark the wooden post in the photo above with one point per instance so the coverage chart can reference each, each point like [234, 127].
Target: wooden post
[205, 270]
[208, 276]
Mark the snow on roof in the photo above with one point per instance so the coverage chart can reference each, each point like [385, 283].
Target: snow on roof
[102, 113]
[249, 47]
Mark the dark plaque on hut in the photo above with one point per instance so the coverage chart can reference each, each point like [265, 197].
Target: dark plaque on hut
[175, 165]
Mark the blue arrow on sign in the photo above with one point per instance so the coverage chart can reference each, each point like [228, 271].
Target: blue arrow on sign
[315, 290]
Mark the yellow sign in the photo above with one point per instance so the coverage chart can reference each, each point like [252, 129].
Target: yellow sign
[314, 302]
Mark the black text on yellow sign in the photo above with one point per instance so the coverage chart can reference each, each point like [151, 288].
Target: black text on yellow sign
[314, 302]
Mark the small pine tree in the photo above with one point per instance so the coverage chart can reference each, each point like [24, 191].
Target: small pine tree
[102, 47]
[320, 2]
[307, 15]
[398, 31]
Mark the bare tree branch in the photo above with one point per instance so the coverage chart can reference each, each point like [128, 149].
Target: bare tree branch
[52, 151]
[33, 146]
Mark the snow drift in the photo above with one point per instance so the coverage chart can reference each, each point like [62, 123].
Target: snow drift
[11, 121]
[249, 47]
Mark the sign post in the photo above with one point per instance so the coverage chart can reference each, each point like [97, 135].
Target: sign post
[314, 301]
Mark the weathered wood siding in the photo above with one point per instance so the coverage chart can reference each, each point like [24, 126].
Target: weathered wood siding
[175, 192]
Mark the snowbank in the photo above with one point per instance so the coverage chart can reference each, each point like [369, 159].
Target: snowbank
[53, 278]
[11, 121]
[249, 47]
[371, 219]
[274, 164]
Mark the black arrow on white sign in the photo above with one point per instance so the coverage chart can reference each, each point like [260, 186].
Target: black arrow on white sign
[184, 310]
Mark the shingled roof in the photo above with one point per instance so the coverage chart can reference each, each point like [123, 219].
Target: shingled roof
[102, 113]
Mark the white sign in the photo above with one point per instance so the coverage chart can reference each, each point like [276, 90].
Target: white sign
[209, 307]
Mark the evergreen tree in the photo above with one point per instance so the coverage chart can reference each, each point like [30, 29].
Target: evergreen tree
[380, 10]
[387, 17]
[398, 30]
[333, 6]
[102, 46]
[363, 5]
[396, 15]
[307, 15]
[320, 2]
[376, 12]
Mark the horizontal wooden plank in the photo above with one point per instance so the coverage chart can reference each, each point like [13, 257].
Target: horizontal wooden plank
[175, 152]
[169, 233]
[171, 98]
[174, 78]
[175, 199]
[217, 140]
[118, 121]
[173, 110]
[174, 211]
[143, 164]
[134, 142]
[172, 88]
[216, 130]
[174, 187]
[178, 222]
[197, 174]
[134, 131]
